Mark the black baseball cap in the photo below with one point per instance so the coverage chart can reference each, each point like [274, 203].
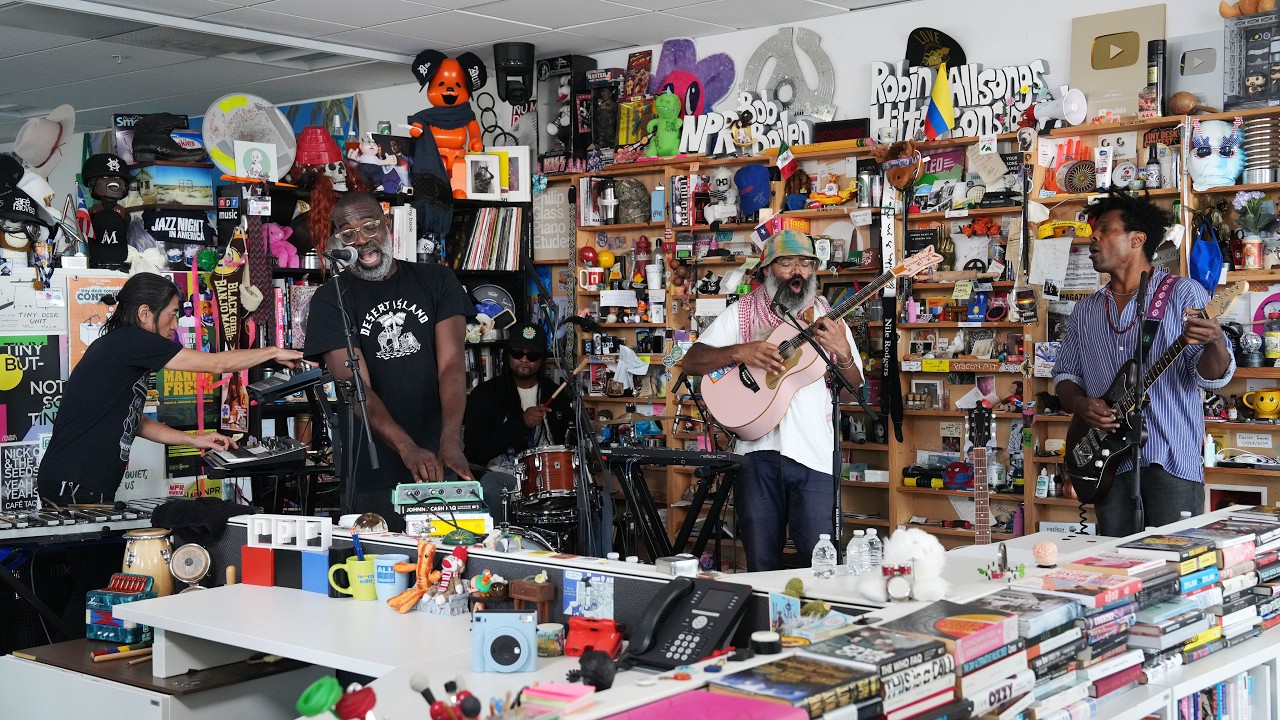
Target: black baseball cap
[18, 208]
[104, 165]
[527, 336]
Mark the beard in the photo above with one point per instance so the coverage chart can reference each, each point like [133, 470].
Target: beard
[375, 272]
[792, 298]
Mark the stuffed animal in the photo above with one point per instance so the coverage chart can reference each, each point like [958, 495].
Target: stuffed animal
[917, 549]
[379, 171]
[1245, 7]
[724, 196]
[665, 128]
[447, 129]
[278, 244]
[427, 576]
[902, 163]
[558, 129]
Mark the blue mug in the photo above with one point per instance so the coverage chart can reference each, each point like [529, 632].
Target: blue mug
[388, 583]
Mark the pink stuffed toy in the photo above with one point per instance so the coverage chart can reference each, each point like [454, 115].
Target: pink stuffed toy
[278, 244]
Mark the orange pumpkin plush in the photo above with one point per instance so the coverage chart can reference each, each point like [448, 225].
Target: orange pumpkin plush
[448, 84]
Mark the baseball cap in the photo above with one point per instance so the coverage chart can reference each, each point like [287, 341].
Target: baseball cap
[18, 209]
[102, 165]
[786, 243]
[753, 188]
[527, 336]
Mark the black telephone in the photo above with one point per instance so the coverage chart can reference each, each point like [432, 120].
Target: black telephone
[686, 621]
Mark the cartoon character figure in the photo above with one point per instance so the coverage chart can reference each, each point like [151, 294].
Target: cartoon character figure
[1255, 84]
[902, 163]
[697, 84]
[448, 84]
[665, 127]
[1215, 159]
[378, 170]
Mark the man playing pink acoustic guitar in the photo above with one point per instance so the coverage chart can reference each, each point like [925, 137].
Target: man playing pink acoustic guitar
[787, 481]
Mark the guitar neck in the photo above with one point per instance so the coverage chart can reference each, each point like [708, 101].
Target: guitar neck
[1157, 368]
[981, 498]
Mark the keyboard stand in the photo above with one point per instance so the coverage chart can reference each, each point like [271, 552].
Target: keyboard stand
[714, 520]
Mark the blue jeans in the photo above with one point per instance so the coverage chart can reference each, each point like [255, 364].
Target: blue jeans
[1127, 509]
[774, 492]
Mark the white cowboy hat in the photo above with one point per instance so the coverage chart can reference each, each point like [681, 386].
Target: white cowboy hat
[41, 142]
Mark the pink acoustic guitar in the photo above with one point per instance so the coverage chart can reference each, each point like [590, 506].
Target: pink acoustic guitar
[749, 402]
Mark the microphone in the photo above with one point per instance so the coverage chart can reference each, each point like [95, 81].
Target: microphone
[776, 302]
[344, 254]
[588, 324]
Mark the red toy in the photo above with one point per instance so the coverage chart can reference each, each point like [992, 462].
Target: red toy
[448, 84]
[587, 634]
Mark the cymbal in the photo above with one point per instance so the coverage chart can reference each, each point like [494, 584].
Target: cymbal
[629, 418]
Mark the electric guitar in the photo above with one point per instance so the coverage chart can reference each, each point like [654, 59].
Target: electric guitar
[750, 402]
[1093, 454]
[981, 423]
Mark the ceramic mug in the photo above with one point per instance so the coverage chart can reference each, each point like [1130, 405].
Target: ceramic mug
[388, 583]
[1266, 403]
[590, 278]
[550, 639]
[360, 576]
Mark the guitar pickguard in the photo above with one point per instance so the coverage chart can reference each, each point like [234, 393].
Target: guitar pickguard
[787, 364]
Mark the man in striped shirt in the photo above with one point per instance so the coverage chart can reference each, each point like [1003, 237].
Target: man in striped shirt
[1101, 337]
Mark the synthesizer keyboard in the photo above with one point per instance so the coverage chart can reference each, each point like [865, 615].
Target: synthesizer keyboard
[665, 456]
[272, 452]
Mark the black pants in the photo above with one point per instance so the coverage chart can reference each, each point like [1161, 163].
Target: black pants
[1127, 509]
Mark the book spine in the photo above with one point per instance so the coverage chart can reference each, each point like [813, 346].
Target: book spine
[1268, 607]
[1133, 657]
[1206, 598]
[1230, 571]
[1266, 589]
[1053, 643]
[1269, 573]
[1102, 618]
[1079, 710]
[1157, 594]
[1198, 579]
[1063, 698]
[1093, 652]
[900, 682]
[1213, 633]
[1053, 658]
[994, 656]
[1235, 584]
[1240, 615]
[1190, 656]
[915, 695]
[1235, 554]
[896, 665]
[281, 317]
[992, 674]
[1103, 632]
[1106, 685]
[988, 639]
[985, 701]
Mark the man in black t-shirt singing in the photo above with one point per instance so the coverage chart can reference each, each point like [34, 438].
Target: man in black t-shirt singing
[409, 321]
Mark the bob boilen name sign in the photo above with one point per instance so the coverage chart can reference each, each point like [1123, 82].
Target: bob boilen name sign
[986, 101]
[771, 123]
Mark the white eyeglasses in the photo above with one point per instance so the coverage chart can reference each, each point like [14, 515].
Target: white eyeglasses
[348, 236]
[800, 262]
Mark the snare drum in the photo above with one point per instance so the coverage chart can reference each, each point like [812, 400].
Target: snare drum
[546, 472]
[550, 511]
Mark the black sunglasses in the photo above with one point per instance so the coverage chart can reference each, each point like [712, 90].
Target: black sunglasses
[533, 355]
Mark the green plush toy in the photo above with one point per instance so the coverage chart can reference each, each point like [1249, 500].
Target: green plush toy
[666, 127]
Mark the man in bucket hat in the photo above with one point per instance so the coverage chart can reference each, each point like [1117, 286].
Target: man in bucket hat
[787, 480]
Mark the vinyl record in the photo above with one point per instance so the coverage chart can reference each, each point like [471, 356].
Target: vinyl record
[248, 118]
[496, 294]
[929, 47]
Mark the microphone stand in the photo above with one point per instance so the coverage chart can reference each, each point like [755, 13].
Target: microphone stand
[1136, 422]
[839, 383]
[357, 393]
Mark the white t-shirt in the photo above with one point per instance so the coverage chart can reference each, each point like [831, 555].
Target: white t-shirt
[805, 433]
[528, 396]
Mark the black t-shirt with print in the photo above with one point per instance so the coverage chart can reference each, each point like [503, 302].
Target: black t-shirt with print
[395, 325]
[101, 411]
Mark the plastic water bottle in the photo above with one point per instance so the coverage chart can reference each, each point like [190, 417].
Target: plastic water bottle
[824, 557]
[875, 552]
[855, 553]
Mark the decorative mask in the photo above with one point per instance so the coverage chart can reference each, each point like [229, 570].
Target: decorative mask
[1216, 158]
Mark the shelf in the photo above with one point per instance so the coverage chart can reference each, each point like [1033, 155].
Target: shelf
[864, 484]
[1044, 460]
[1065, 198]
[835, 273]
[939, 493]
[279, 272]
[624, 326]
[1257, 372]
[1064, 418]
[1065, 502]
[976, 212]
[1253, 275]
[1263, 187]
[594, 229]
[878, 522]
[461, 272]
[959, 324]
[1243, 472]
[1126, 126]
[635, 401]
[995, 285]
[839, 212]
[955, 413]
[1244, 424]
[706, 228]
[172, 206]
[955, 532]
[868, 447]
[561, 261]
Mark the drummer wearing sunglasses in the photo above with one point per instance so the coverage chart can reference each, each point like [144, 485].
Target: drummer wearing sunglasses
[510, 414]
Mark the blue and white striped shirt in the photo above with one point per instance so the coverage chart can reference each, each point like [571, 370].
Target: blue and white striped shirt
[1091, 354]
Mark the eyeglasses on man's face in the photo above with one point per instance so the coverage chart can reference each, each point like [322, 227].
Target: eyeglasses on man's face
[367, 229]
[800, 262]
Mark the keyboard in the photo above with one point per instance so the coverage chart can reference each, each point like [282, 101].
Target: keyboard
[269, 452]
[665, 456]
[75, 520]
[278, 386]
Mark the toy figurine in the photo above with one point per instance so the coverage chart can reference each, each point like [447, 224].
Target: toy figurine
[902, 163]
[106, 176]
[1215, 159]
[427, 577]
[448, 128]
[742, 133]
[724, 196]
[665, 127]
[379, 171]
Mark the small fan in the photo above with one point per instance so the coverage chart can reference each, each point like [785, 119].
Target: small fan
[1079, 176]
[190, 564]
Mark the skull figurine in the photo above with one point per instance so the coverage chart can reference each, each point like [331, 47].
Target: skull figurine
[337, 172]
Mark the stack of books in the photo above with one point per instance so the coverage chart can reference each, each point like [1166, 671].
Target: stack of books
[1047, 629]
[806, 682]
[985, 647]
[914, 671]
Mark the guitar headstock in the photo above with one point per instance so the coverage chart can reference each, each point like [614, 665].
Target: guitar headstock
[918, 263]
[1225, 298]
[980, 421]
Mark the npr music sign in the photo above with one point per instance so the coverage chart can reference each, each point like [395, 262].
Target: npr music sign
[981, 97]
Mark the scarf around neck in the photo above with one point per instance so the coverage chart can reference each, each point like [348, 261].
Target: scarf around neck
[756, 321]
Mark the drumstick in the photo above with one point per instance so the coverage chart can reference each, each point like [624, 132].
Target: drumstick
[581, 366]
[145, 658]
[122, 655]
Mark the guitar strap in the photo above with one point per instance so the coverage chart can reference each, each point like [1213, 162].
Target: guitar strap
[1155, 313]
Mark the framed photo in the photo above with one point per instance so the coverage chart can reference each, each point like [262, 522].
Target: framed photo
[1217, 496]
[516, 173]
[932, 388]
[484, 171]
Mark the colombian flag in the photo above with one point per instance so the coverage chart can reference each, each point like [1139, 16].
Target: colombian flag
[942, 115]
